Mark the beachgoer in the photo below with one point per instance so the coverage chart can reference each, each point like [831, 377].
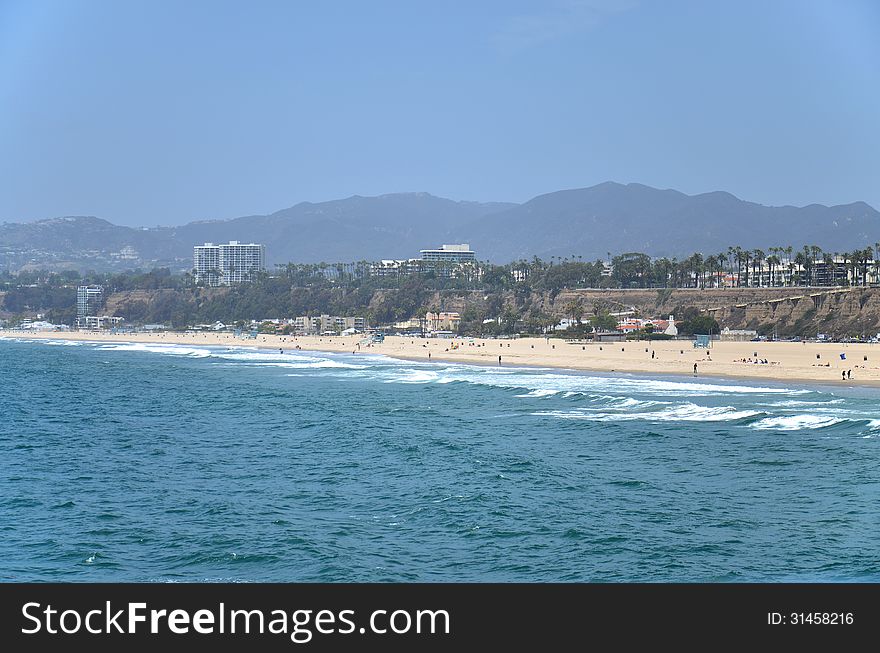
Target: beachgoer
[843, 376]
[849, 374]
[695, 369]
[652, 355]
[499, 360]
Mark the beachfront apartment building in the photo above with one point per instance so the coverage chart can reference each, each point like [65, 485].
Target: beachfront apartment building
[443, 320]
[455, 254]
[448, 260]
[318, 324]
[446, 321]
[89, 300]
[99, 322]
[227, 264]
[396, 267]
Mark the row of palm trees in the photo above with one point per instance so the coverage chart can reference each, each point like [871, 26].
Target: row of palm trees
[736, 267]
[810, 266]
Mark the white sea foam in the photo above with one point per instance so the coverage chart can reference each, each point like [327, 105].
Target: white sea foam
[173, 350]
[308, 364]
[244, 356]
[538, 384]
[798, 403]
[541, 392]
[797, 422]
[687, 412]
[620, 403]
[415, 376]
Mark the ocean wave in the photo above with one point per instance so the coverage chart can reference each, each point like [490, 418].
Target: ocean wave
[264, 355]
[687, 412]
[541, 392]
[415, 376]
[797, 422]
[620, 403]
[798, 403]
[306, 364]
[531, 383]
[173, 350]
[245, 356]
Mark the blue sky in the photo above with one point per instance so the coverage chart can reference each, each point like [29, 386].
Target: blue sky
[160, 112]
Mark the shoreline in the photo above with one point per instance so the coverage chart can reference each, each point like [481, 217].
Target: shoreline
[810, 363]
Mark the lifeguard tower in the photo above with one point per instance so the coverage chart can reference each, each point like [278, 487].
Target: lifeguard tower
[702, 342]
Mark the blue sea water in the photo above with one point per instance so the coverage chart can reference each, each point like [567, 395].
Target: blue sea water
[133, 462]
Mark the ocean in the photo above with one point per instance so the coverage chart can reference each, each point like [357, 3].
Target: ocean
[134, 462]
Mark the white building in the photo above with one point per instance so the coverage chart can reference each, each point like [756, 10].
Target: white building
[89, 300]
[450, 253]
[29, 325]
[229, 264]
[98, 322]
[310, 325]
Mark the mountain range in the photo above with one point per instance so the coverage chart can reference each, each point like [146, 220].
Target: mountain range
[585, 222]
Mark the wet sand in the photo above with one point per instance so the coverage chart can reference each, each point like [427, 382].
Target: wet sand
[787, 361]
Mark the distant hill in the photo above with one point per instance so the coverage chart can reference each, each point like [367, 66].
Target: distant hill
[587, 222]
[356, 228]
[617, 218]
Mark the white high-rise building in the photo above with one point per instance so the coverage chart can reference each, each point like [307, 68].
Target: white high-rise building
[229, 264]
[450, 253]
[89, 300]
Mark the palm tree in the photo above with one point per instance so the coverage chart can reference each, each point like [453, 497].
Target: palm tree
[808, 267]
[575, 310]
[721, 258]
[758, 266]
[845, 256]
[867, 255]
[736, 254]
[800, 262]
[815, 255]
[788, 252]
[772, 264]
[830, 266]
[747, 260]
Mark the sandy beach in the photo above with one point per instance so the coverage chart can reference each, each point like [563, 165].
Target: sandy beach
[786, 361]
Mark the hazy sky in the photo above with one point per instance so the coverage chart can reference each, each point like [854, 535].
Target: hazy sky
[161, 112]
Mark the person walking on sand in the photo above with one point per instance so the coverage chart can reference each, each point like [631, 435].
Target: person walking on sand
[843, 375]
[695, 369]
[499, 360]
